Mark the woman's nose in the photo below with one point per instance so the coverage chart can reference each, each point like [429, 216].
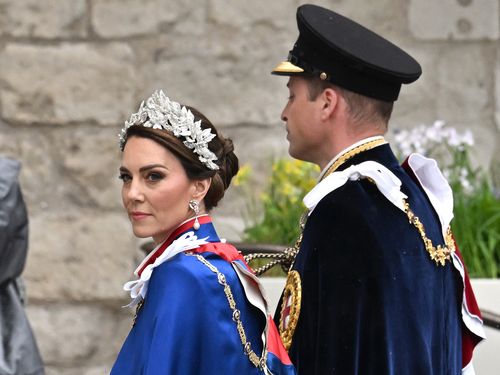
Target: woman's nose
[135, 191]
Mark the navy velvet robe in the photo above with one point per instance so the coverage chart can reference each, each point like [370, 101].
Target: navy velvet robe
[373, 302]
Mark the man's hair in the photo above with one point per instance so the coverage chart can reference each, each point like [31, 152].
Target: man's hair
[361, 108]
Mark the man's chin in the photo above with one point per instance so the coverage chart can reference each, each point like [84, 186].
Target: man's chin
[293, 152]
[299, 155]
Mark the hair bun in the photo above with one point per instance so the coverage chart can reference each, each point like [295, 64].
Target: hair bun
[228, 146]
[229, 161]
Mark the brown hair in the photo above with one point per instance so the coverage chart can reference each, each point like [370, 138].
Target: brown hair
[361, 108]
[195, 170]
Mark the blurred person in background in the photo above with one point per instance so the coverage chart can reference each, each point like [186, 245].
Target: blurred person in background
[18, 351]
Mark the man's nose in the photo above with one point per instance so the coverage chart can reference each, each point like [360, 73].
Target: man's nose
[283, 115]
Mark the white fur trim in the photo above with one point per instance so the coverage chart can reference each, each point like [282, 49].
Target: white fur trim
[138, 288]
[441, 196]
[435, 186]
[473, 322]
[254, 292]
[386, 181]
[468, 369]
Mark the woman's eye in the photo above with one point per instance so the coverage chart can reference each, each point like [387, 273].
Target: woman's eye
[124, 177]
[154, 176]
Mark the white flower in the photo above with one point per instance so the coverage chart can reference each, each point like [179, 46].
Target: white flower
[439, 141]
[454, 139]
[468, 138]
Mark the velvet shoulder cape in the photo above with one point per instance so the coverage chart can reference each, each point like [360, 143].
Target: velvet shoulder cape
[373, 302]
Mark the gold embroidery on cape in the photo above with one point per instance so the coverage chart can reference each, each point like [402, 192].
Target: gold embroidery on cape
[137, 310]
[439, 254]
[290, 308]
[261, 362]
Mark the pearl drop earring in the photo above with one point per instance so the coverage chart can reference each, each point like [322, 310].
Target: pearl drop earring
[195, 206]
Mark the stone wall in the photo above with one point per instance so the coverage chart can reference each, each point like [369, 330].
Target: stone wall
[72, 71]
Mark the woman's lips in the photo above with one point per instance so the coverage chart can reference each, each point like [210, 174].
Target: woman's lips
[136, 215]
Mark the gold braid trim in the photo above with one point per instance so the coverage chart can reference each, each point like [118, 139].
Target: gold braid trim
[439, 254]
[254, 358]
[350, 153]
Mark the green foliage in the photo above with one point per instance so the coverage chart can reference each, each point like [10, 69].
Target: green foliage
[476, 227]
[282, 203]
[273, 217]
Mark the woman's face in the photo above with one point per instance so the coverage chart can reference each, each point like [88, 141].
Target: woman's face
[156, 190]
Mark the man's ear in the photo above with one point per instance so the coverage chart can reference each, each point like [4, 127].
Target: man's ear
[201, 188]
[329, 102]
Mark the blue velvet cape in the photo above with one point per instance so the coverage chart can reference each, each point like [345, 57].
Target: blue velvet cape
[373, 302]
[185, 326]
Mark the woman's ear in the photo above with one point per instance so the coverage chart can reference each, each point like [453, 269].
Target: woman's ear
[329, 100]
[201, 188]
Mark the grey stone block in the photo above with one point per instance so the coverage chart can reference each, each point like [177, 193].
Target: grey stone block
[83, 338]
[417, 102]
[454, 19]
[66, 83]
[90, 159]
[84, 256]
[125, 18]
[227, 91]
[464, 76]
[47, 19]
[244, 15]
[67, 168]
[496, 96]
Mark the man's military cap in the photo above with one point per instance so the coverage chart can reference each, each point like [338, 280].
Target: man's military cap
[347, 54]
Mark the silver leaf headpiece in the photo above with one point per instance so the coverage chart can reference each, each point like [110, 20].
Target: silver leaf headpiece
[159, 112]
